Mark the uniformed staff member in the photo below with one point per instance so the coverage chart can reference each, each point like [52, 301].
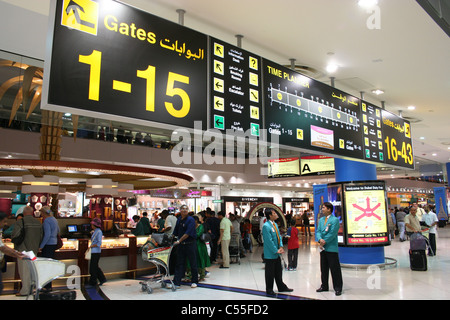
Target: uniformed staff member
[273, 248]
[327, 235]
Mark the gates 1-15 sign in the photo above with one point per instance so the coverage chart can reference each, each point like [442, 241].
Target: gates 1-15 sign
[111, 60]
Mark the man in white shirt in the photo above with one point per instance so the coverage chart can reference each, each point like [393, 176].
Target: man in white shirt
[170, 222]
[430, 218]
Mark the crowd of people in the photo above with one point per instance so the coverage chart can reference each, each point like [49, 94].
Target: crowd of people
[203, 239]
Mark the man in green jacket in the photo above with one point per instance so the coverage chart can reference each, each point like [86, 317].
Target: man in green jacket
[273, 248]
[327, 236]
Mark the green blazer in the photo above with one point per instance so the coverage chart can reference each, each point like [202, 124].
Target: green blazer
[271, 243]
[329, 233]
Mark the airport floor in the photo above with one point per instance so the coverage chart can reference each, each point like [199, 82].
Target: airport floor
[245, 281]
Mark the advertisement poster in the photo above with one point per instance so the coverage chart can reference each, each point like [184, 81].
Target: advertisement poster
[282, 168]
[365, 214]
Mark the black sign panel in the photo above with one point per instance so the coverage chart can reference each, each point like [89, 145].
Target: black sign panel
[235, 83]
[111, 59]
[397, 140]
[372, 132]
[308, 114]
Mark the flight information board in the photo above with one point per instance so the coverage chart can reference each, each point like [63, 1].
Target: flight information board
[235, 83]
[308, 114]
[110, 59]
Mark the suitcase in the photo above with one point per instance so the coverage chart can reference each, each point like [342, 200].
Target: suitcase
[58, 295]
[418, 260]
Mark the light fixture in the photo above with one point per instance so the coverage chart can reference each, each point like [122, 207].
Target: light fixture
[44, 184]
[367, 3]
[411, 108]
[377, 91]
[7, 192]
[422, 138]
[332, 67]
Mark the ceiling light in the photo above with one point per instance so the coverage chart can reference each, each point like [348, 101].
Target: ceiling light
[331, 67]
[377, 92]
[411, 108]
[367, 3]
[422, 138]
[434, 154]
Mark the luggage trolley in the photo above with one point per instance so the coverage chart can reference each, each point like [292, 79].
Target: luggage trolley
[235, 247]
[157, 250]
[43, 271]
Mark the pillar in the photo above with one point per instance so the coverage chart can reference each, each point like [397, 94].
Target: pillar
[348, 170]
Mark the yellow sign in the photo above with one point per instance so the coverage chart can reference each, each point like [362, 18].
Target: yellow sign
[218, 67]
[254, 95]
[407, 130]
[80, 15]
[254, 112]
[254, 79]
[253, 63]
[218, 50]
[219, 103]
[300, 134]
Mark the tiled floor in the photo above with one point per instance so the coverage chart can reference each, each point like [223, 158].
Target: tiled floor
[245, 281]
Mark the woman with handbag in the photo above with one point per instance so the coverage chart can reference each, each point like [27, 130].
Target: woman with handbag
[49, 242]
[96, 243]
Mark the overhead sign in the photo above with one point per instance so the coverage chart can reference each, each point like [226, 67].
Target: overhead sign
[108, 59]
[308, 114]
[235, 82]
[316, 165]
[283, 168]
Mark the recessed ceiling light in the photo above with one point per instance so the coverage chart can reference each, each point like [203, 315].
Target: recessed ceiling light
[331, 67]
[367, 3]
[422, 138]
[434, 154]
[377, 92]
[411, 108]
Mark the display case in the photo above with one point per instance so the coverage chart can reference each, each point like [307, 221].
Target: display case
[69, 245]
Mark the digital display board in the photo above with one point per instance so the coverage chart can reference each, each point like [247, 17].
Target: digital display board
[109, 59]
[362, 209]
[235, 82]
[308, 114]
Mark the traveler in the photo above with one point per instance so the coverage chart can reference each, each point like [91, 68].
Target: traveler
[226, 228]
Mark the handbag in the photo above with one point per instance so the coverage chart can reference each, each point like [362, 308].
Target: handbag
[87, 254]
[205, 237]
[21, 237]
[59, 242]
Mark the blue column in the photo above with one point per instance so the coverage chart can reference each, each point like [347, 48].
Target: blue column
[348, 170]
[448, 170]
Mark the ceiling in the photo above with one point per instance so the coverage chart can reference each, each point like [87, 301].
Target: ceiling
[407, 54]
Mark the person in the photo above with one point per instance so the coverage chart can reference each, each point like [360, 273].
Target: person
[400, 217]
[273, 248]
[5, 249]
[146, 223]
[50, 239]
[202, 252]
[7, 233]
[96, 242]
[327, 235]
[431, 220]
[139, 229]
[213, 227]
[412, 222]
[160, 223]
[33, 238]
[247, 228]
[419, 211]
[226, 228]
[293, 246]
[305, 220]
[170, 222]
[235, 222]
[187, 247]
[391, 223]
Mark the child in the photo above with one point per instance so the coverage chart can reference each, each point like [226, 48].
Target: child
[293, 246]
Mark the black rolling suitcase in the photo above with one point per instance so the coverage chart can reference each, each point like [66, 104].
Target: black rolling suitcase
[58, 295]
[418, 260]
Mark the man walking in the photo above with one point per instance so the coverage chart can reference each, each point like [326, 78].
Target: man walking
[327, 235]
[273, 248]
[226, 228]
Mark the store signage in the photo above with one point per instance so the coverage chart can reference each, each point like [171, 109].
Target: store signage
[108, 59]
[282, 168]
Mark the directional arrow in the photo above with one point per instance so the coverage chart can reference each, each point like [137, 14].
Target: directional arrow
[219, 104]
[76, 8]
[218, 85]
[219, 123]
[218, 67]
